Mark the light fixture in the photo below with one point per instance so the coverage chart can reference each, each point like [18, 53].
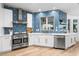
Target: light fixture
[39, 10]
[54, 8]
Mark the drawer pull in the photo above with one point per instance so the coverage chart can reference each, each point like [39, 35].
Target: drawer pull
[45, 40]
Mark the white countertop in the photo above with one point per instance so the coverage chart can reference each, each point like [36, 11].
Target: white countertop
[54, 33]
[5, 35]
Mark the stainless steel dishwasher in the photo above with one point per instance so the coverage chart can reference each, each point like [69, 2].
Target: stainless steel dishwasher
[59, 41]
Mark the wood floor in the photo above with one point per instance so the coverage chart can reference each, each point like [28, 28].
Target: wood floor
[43, 51]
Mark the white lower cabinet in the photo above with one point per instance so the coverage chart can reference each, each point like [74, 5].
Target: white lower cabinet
[0, 45]
[73, 40]
[46, 41]
[5, 43]
[50, 41]
[67, 41]
[70, 40]
[57, 41]
[33, 40]
[36, 41]
[41, 40]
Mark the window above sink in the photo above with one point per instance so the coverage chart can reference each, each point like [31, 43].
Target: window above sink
[47, 24]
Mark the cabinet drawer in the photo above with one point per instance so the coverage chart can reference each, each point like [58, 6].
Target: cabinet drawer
[59, 36]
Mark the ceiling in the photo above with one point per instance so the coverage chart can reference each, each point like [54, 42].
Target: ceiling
[70, 8]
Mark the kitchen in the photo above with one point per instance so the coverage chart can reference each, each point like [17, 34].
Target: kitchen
[51, 28]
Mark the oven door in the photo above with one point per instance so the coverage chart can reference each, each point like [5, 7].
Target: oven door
[17, 41]
[25, 40]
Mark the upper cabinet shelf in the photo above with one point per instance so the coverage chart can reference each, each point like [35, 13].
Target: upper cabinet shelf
[20, 22]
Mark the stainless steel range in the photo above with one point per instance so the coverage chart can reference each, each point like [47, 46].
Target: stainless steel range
[19, 40]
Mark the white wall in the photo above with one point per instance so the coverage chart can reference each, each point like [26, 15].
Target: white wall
[72, 17]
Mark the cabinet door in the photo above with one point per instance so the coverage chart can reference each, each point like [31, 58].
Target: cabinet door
[36, 40]
[31, 40]
[42, 41]
[0, 44]
[68, 41]
[6, 44]
[7, 18]
[73, 41]
[76, 38]
[50, 41]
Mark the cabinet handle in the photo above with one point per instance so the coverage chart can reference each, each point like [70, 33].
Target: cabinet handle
[71, 40]
[38, 40]
[75, 39]
[46, 41]
[10, 43]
